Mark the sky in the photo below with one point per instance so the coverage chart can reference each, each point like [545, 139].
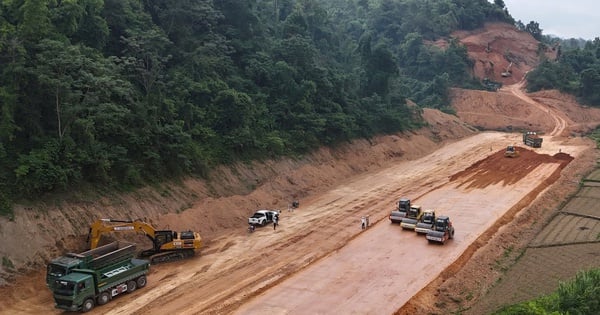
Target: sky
[562, 18]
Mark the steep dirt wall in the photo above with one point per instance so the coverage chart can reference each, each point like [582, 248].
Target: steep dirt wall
[221, 204]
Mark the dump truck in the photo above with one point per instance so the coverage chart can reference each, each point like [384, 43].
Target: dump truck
[400, 211]
[426, 223]
[442, 230]
[532, 139]
[413, 216]
[84, 288]
[96, 258]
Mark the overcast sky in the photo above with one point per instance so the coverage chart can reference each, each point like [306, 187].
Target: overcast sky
[563, 18]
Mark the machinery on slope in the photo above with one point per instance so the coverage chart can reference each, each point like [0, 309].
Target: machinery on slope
[167, 245]
[413, 216]
[96, 258]
[400, 211]
[511, 152]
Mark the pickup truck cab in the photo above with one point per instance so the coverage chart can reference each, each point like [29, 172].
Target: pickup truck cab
[263, 217]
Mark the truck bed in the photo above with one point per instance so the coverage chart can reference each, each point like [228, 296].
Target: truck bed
[106, 255]
[133, 269]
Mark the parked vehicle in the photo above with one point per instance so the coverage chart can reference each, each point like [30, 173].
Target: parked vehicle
[413, 216]
[532, 139]
[400, 211]
[426, 223]
[442, 230]
[82, 289]
[263, 217]
[96, 258]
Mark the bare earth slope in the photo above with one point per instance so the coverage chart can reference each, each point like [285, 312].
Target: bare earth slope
[319, 254]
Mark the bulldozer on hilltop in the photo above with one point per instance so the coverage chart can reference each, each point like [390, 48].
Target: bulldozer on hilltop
[511, 152]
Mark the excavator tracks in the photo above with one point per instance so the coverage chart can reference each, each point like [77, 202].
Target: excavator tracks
[170, 256]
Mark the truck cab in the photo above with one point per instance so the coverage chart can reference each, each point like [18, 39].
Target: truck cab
[72, 290]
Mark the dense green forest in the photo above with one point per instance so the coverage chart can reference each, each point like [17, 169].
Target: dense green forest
[576, 70]
[120, 93]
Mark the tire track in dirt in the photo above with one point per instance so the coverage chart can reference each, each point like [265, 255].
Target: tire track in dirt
[560, 123]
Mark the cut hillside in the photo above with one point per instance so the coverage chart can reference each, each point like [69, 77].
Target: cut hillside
[495, 46]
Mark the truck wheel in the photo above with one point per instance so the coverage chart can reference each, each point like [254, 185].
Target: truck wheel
[103, 298]
[87, 305]
[141, 281]
[131, 286]
[264, 223]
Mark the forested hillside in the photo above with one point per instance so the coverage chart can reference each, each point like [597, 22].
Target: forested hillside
[122, 92]
[576, 71]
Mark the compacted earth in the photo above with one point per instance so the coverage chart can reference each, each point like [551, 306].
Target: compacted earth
[319, 260]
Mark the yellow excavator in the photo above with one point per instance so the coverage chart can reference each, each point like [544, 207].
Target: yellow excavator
[167, 245]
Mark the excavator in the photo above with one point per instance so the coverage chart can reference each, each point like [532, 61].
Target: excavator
[167, 245]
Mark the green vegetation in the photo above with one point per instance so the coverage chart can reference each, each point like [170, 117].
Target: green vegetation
[121, 93]
[578, 296]
[7, 263]
[576, 71]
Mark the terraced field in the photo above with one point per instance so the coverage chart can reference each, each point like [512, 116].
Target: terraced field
[569, 243]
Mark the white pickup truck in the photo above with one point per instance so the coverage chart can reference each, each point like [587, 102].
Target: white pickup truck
[263, 217]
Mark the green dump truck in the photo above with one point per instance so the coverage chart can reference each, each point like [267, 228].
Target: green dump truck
[97, 258]
[82, 289]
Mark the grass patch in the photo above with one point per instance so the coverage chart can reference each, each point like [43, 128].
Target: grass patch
[7, 263]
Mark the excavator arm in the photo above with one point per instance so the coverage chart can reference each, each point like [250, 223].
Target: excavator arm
[102, 226]
[167, 245]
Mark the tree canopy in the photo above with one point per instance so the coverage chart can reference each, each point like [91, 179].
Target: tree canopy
[126, 92]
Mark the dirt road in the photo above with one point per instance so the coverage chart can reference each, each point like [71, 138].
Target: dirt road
[320, 261]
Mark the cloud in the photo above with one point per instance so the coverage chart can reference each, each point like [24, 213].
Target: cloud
[566, 19]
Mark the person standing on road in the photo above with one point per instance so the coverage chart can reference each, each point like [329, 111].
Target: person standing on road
[275, 221]
[363, 222]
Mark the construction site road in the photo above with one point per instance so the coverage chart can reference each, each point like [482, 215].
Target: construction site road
[319, 261]
[382, 269]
